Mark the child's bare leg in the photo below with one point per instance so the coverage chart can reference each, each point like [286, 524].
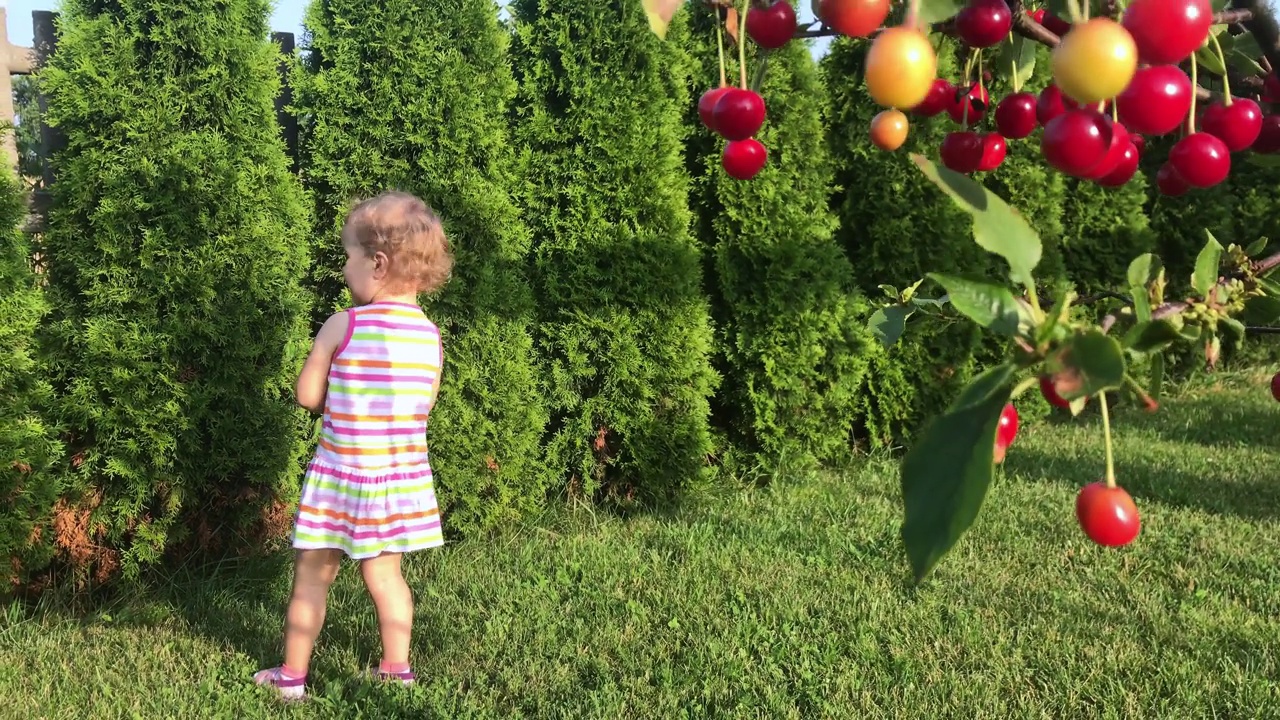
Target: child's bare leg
[394, 603]
[314, 572]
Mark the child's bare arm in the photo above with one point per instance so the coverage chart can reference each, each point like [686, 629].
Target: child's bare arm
[313, 381]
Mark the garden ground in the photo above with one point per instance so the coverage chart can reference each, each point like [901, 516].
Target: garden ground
[792, 602]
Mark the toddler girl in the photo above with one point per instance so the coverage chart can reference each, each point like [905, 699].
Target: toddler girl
[374, 371]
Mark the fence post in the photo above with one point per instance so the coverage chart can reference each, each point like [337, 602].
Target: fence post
[44, 35]
[15, 59]
[284, 117]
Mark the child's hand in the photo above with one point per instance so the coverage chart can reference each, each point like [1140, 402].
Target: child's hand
[313, 381]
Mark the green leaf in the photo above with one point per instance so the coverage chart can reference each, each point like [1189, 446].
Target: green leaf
[1246, 44]
[1257, 246]
[990, 305]
[1269, 286]
[1151, 335]
[1234, 327]
[1243, 63]
[997, 228]
[887, 323]
[947, 472]
[1018, 59]
[1207, 56]
[1097, 358]
[1267, 161]
[1157, 376]
[1208, 262]
[890, 292]
[1142, 272]
[935, 11]
[1263, 310]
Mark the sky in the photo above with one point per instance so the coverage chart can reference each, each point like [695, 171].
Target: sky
[287, 17]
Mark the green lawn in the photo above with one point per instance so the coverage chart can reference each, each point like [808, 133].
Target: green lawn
[786, 603]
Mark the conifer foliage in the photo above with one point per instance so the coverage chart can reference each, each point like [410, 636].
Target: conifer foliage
[617, 273]
[793, 341]
[176, 247]
[413, 95]
[27, 446]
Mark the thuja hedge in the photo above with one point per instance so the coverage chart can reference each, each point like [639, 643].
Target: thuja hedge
[624, 325]
[175, 249]
[792, 341]
[413, 94]
[28, 448]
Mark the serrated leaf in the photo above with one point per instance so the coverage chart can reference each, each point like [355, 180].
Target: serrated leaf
[990, 305]
[997, 227]
[936, 11]
[1257, 246]
[1208, 262]
[1243, 64]
[946, 474]
[659, 13]
[1151, 335]
[1018, 59]
[1246, 44]
[887, 323]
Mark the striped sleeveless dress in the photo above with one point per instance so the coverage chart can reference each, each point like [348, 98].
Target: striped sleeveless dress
[369, 488]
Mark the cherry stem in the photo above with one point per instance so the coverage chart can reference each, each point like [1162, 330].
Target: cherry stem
[913, 13]
[1106, 435]
[724, 79]
[1073, 9]
[742, 44]
[1115, 112]
[1226, 83]
[1013, 68]
[1191, 116]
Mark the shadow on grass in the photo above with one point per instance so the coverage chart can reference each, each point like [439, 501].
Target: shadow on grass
[1215, 421]
[1254, 498]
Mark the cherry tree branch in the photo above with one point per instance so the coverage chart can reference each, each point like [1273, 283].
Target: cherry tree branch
[1170, 309]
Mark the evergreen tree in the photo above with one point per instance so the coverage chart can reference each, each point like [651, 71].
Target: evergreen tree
[792, 326]
[176, 247]
[617, 274]
[413, 94]
[27, 446]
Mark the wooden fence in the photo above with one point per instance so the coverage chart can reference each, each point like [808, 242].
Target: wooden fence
[21, 60]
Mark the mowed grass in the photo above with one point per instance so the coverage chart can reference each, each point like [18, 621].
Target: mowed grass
[792, 602]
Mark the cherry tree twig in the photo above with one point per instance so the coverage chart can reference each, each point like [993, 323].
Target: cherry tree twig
[1170, 309]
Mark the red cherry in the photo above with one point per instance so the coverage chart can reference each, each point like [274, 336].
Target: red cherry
[938, 99]
[1237, 125]
[1156, 101]
[1107, 514]
[1167, 31]
[1139, 142]
[961, 151]
[1275, 386]
[1201, 159]
[743, 159]
[1076, 141]
[1016, 115]
[993, 152]
[1049, 104]
[1125, 169]
[707, 104]
[1007, 430]
[983, 23]
[772, 27]
[1169, 182]
[970, 105]
[1050, 393]
[1115, 153]
[1269, 139]
[1271, 88]
[738, 114]
[1052, 23]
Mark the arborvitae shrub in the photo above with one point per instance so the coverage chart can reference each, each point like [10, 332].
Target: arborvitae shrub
[413, 94]
[896, 226]
[624, 323]
[176, 247]
[27, 446]
[792, 326]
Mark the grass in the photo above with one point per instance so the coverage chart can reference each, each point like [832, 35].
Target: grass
[792, 602]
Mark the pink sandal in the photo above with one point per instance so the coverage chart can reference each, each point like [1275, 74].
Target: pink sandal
[290, 688]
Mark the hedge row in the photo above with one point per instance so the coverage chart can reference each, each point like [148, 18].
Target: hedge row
[622, 318]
